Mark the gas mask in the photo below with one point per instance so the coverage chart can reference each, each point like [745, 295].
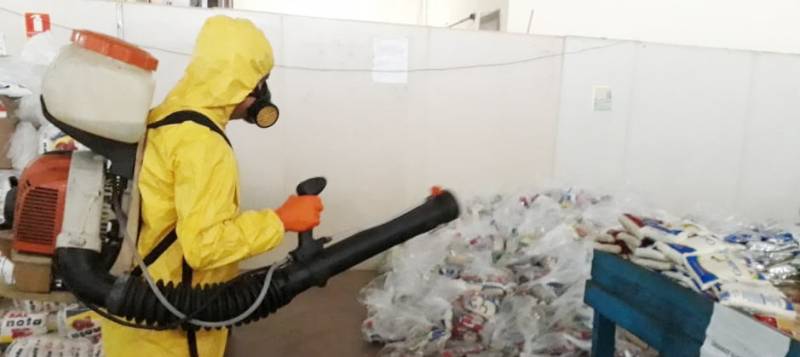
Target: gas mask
[263, 112]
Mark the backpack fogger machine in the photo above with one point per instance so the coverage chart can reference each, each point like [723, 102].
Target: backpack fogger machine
[76, 206]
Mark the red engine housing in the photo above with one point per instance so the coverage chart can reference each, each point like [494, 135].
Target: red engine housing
[39, 210]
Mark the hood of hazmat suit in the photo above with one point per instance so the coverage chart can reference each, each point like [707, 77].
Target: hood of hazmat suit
[189, 183]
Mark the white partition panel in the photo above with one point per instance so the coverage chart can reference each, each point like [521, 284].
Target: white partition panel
[770, 172]
[591, 144]
[687, 128]
[343, 125]
[691, 128]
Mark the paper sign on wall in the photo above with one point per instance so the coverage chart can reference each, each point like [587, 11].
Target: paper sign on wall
[601, 98]
[36, 23]
[390, 60]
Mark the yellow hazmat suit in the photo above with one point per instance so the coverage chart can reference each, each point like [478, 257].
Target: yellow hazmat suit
[189, 182]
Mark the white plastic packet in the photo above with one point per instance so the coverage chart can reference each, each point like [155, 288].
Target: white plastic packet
[13, 90]
[53, 139]
[17, 324]
[76, 321]
[35, 306]
[7, 270]
[698, 245]
[644, 227]
[681, 278]
[652, 264]
[711, 269]
[30, 110]
[98, 350]
[650, 253]
[50, 346]
[19, 347]
[761, 298]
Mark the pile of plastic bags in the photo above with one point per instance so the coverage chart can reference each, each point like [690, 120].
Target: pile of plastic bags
[506, 279]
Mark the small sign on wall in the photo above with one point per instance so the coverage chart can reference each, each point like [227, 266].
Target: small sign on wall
[390, 60]
[36, 23]
[601, 98]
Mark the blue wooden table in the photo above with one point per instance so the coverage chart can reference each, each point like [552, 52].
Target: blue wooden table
[668, 317]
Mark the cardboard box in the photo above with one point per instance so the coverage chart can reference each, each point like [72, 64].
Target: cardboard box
[7, 126]
[5, 242]
[32, 273]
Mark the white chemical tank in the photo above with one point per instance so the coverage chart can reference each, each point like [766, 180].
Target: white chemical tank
[101, 85]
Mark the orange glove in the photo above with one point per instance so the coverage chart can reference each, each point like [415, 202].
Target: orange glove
[300, 213]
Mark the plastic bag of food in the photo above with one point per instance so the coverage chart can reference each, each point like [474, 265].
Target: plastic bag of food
[30, 110]
[76, 321]
[645, 227]
[759, 298]
[50, 345]
[708, 270]
[515, 323]
[22, 149]
[37, 306]
[19, 71]
[511, 270]
[53, 139]
[678, 250]
[13, 90]
[7, 270]
[18, 324]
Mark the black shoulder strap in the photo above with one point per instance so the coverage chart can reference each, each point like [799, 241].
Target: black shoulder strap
[186, 279]
[188, 115]
[172, 237]
[159, 249]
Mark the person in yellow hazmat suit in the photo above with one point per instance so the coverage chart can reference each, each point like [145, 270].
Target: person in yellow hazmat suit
[191, 225]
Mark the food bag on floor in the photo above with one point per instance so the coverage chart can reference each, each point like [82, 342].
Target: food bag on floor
[76, 321]
[18, 324]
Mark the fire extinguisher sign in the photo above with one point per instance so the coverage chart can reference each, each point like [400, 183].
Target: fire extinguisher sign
[36, 23]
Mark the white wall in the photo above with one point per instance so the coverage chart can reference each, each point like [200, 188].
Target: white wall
[389, 11]
[381, 145]
[767, 25]
[443, 13]
[689, 127]
[692, 129]
[437, 13]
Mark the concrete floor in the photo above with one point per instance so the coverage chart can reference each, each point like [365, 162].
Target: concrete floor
[319, 322]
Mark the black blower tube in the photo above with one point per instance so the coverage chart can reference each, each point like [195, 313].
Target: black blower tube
[131, 297]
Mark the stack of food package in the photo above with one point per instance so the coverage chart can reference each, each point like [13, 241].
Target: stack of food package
[753, 268]
[35, 328]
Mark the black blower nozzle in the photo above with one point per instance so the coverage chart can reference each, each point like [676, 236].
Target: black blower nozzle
[131, 298]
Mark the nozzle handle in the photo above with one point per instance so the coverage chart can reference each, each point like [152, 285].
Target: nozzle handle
[307, 246]
[312, 186]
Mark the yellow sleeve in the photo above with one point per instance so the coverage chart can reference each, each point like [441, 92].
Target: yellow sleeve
[211, 231]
